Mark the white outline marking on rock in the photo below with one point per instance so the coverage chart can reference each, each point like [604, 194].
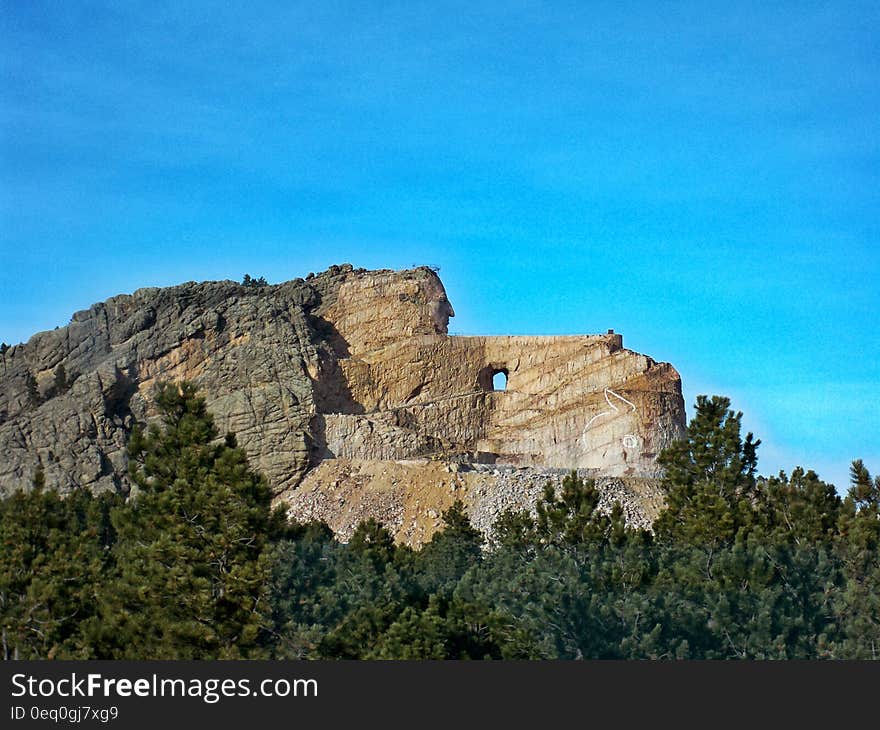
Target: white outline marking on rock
[630, 441]
[614, 409]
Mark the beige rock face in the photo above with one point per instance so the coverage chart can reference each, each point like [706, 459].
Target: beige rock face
[410, 417]
[346, 367]
[410, 390]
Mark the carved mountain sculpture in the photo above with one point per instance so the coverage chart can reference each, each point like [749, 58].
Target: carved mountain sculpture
[348, 367]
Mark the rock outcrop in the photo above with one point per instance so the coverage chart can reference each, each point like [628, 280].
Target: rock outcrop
[351, 366]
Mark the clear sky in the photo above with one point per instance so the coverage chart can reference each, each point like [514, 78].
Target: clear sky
[702, 177]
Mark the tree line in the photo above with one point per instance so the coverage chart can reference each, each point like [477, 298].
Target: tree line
[195, 564]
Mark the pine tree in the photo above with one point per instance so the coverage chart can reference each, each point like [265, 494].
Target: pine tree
[32, 390]
[450, 553]
[857, 604]
[573, 517]
[191, 555]
[252, 283]
[709, 476]
[802, 508]
[60, 383]
[372, 586]
[413, 635]
[304, 565]
[53, 555]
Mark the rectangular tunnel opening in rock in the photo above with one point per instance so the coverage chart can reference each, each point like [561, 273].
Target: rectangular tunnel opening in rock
[499, 380]
[493, 378]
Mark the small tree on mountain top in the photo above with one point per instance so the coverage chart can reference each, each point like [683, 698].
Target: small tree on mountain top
[251, 283]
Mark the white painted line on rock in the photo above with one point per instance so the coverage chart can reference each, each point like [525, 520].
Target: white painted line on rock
[614, 409]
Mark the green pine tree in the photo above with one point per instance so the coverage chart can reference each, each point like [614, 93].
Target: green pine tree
[192, 552]
[709, 477]
[32, 389]
[857, 604]
[55, 554]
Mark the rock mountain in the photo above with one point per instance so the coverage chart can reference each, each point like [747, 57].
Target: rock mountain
[347, 392]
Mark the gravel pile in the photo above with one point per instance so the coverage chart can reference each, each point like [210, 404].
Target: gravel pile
[512, 488]
[409, 498]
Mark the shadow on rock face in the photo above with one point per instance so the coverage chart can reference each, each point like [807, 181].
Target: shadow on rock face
[332, 391]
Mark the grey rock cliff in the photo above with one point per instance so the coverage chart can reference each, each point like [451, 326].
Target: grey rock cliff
[252, 351]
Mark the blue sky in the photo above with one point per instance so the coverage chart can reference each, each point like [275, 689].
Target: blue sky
[702, 177]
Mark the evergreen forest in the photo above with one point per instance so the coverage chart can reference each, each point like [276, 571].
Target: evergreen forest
[195, 564]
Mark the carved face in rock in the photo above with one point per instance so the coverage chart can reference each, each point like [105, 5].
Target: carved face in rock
[438, 305]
